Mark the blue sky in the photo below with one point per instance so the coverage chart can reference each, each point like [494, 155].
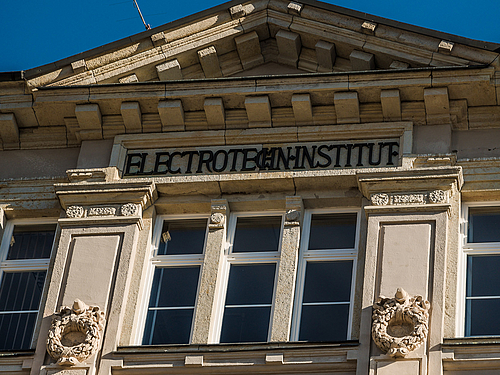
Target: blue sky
[35, 32]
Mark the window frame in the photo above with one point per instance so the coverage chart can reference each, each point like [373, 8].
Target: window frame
[329, 255]
[242, 258]
[27, 265]
[155, 261]
[470, 248]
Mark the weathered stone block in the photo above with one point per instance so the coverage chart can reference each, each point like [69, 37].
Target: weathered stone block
[248, 47]
[210, 62]
[362, 60]
[399, 65]
[294, 8]
[9, 131]
[258, 111]
[131, 114]
[170, 70]
[391, 105]
[346, 107]
[78, 66]
[171, 115]
[302, 108]
[325, 55]
[129, 79]
[214, 111]
[289, 46]
[89, 116]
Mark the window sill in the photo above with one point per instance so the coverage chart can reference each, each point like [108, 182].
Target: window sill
[475, 340]
[16, 353]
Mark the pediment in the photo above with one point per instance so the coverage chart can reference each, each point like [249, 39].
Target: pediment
[264, 38]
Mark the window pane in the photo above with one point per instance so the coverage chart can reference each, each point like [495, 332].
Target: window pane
[174, 287]
[332, 231]
[170, 327]
[183, 237]
[324, 323]
[328, 281]
[16, 331]
[245, 324]
[483, 224]
[250, 284]
[482, 317]
[483, 276]
[31, 241]
[21, 291]
[253, 234]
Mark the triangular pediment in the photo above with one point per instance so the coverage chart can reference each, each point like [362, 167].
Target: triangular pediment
[264, 38]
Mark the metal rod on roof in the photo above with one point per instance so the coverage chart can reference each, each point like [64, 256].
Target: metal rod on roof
[146, 25]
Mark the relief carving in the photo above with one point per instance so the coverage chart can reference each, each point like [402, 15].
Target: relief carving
[129, 209]
[217, 220]
[380, 199]
[75, 211]
[400, 324]
[292, 217]
[433, 197]
[437, 196]
[75, 333]
[102, 211]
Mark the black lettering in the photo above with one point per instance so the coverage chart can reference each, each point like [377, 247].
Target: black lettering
[265, 158]
[190, 160]
[324, 156]
[205, 161]
[391, 152]
[285, 160]
[360, 152]
[140, 164]
[159, 163]
[370, 153]
[235, 152]
[169, 163]
[309, 157]
[348, 157]
[337, 156]
[297, 157]
[247, 159]
[224, 162]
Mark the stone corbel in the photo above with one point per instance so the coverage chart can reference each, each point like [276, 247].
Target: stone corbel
[219, 212]
[75, 333]
[294, 208]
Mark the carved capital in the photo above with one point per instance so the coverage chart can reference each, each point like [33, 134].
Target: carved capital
[75, 333]
[400, 324]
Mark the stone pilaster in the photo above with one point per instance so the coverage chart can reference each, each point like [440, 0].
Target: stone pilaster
[214, 251]
[285, 285]
[410, 221]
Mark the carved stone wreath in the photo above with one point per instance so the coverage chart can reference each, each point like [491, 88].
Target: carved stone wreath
[75, 333]
[400, 324]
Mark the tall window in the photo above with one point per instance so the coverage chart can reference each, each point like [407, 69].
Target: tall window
[482, 252]
[252, 264]
[177, 258]
[323, 305]
[24, 259]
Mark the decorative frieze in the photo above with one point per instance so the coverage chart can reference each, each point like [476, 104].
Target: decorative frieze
[129, 209]
[433, 197]
[75, 333]
[400, 324]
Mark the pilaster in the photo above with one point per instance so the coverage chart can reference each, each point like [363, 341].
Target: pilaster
[410, 221]
[285, 285]
[214, 251]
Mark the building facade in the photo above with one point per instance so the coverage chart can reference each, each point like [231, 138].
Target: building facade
[268, 187]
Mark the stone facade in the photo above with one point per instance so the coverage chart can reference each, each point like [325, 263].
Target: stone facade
[300, 111]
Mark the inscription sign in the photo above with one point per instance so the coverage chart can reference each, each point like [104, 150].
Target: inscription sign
[303, 156]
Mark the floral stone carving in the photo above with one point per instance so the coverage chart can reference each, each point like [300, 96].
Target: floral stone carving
[74, 211]
[400, 324]
[75, 333]
[129, 209]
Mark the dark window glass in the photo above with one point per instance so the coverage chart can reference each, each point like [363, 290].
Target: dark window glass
[484, 224]
[171, 305]
[483, 276]
[256, 234]
[245, 324]
[328, 282]
[16, 330]
[482, 317]
[332, 231]
[324, 322]
[31, 242]
[182, 237]
[248, 303]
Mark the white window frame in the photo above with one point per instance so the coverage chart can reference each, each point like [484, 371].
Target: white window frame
[306, 255]
[243, 258]
[24, 265]
[164, 261]
[490, 248]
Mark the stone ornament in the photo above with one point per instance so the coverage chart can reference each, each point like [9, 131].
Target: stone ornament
[217, 220]
[75, 333]
[400, 324]
[129, 209]
[380, 199]
[292, 218]
[75, 211]
[437, 196]
[102, 211]
[433, 197]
